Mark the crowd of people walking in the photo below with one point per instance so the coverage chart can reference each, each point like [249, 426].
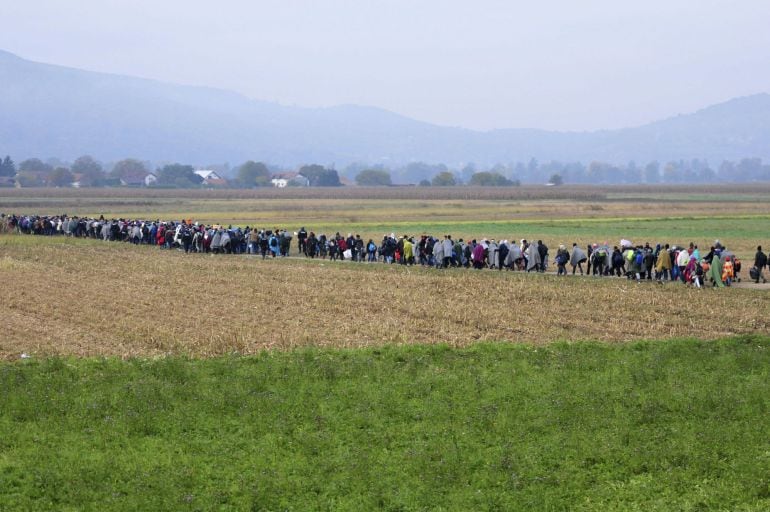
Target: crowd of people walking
[661, 262]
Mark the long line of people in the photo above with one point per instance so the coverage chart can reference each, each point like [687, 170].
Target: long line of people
[663, 262]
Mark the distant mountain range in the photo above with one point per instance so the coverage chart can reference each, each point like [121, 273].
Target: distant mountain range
[49, 110]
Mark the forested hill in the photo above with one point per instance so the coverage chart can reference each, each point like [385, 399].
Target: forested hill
[49, 110]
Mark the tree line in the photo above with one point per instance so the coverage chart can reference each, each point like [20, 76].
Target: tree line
[86, 171]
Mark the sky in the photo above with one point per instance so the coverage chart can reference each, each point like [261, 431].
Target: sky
[556, 65]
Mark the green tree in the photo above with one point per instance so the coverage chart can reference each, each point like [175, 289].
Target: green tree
[319, 176]
[424, 183]
[748, 169]
[7, 167]
[556, 180]
[34, 165]
[28, 179]
[178, 175]
[490, 179]
[444, 179]
[91, 171]
[651, 172]
[416, 171]
[61, 177]
[253, 174]
[373, 178]
[128, 167]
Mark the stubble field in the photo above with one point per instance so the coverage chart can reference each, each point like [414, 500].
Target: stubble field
[88, 298]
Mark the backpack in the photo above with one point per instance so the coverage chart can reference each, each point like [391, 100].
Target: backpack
[639, 258]
[273, 242]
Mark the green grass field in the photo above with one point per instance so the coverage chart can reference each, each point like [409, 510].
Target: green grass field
[676, 425]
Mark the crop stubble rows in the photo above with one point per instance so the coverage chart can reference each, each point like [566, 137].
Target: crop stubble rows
[89, 298]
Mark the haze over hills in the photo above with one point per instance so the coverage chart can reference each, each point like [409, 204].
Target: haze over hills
[49, 110]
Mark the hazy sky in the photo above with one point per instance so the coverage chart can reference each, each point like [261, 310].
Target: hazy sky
[568, 65]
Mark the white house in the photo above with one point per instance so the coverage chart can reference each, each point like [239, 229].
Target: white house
[211, 177]
[284, 179]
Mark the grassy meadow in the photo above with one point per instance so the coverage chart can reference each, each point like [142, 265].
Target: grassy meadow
[155, 380]
[675, 425]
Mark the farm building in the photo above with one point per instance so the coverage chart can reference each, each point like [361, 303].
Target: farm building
[138, 179]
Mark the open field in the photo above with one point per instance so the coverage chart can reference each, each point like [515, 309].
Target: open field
[676, 425]
[93, 298]
[155, 380]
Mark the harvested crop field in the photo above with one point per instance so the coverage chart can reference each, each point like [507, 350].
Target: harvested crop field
[86, 298]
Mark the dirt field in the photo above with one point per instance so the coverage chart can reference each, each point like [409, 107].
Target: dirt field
[95, 298]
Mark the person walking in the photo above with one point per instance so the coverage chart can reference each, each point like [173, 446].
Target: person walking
[562, 257]
[760, 262]
[577, 259]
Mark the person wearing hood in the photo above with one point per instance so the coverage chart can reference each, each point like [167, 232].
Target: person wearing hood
[216, 241]
[408, 257]
[577, 258]
[715, 272]
[225, 242]
[600, 255]
[648, 261]
[502, 254]
[438, 253]
[468, 253]
[371, 251]
[663, 266]
[458, 252]
[478, 256]
[542, 250]
[493, 254]
[514, 258]
[533, 258]
[562, 257]
[635, 263]
[618, 262]
[273, 244]
[447, 247]
[523, 248]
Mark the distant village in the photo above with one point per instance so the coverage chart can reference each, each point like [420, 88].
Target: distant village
[87, 172]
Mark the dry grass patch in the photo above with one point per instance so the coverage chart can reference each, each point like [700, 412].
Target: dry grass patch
[93, 298]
